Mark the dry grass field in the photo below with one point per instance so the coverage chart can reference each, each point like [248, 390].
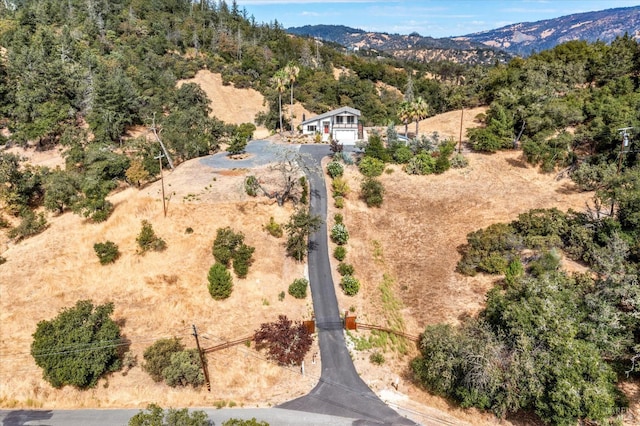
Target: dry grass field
[412, 240]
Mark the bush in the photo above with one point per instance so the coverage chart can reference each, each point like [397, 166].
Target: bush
[340, 187]
[371, 167]
[273, 228]
[304, 187]
[345, 269]
[184, 369]
[403, 154]
[220, 283]
[242, 259]
[335, 169]
[251, 185]
[339, 234]
[376, 358]
[337, 218]
[3, 260]
[339, 202]
[286, 343]
[298, 288]
[421, 164]
[459, 161]
[157, 357]
[156, 416]
[107, 252]
[31, 224]
[70, 348]
[372, 192]
[225, 244]
[148, 240]
[350, 285]
[340, 253]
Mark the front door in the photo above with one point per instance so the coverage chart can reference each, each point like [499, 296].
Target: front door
[326, 127]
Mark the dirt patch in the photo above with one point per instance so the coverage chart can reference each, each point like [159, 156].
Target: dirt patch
[448, 124]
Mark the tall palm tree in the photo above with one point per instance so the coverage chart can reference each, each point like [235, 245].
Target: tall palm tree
[405, 116]
[279, 81]
[419, 111]
[291, 71]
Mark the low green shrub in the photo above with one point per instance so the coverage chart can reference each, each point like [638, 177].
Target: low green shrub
[335, 169]
[340, 187]
[107, 252]
[251, 186]
[220, 282]
[298, 288]
[350, 285]
[372, 192]
[338, 218]
[340, 253]
[371, 167]
[339, 234]
[345, 269]
[273, 228]
[339, 202]
[31, 224]
[376, 358]
[148, 240]
[459, 161]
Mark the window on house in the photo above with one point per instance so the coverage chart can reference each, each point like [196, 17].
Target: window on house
[351, 119]
[339, 119]
[312, 128]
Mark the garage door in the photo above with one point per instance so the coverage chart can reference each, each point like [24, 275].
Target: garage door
[346, 136]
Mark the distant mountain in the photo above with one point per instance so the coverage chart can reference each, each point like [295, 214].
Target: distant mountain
[524, 38]
[487, 46]
[412, 46]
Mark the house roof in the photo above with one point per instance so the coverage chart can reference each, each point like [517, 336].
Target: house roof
[332, 113]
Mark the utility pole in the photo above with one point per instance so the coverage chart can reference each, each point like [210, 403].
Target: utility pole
[460, 141]
[164, 149]
[164, 201]
[204, 366]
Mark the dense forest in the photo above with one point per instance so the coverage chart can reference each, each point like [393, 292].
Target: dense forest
[78, 74]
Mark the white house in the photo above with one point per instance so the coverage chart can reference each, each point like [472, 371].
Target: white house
[341, 124]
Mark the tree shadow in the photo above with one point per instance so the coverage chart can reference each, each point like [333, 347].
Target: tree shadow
[21, 417]
[518, 162]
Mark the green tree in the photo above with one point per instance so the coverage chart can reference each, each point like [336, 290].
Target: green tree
[279, 81]
[61, 191]
[301, 224]
[78, 346]
[157, 357]
[220, 282]
[148, 240]
[154, 415]
[107, 252]
[184, 369]
[291, 71]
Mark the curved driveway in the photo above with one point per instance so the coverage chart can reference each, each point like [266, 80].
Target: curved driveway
[340, 391]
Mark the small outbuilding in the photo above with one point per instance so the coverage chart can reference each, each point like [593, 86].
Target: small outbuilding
[342, 125]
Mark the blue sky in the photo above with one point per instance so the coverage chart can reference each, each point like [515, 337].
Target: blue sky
[435, 18]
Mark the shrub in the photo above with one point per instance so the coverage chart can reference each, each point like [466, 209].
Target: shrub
[339, 202]
[157, 357]
[339, 234]
[340, 253]
[3, 260]
[340, 187]
[286, 343]
[376, 358]
[459, 161]
[242, 259]
[31, 224]
[304, 185]
[371, 167]
[220, 282]
[421, 164]
[237, 145]
[225, 244]
[155, 415]
[274, 228]
[189, 230]
[372, 192]
[403, 154]
[148, 240]
[184, 369]
[107, 252]
[350, 285]
[82, 326]
[338, 218]
[335, 169]
[345, 269]
[298, 288]
[251, 185]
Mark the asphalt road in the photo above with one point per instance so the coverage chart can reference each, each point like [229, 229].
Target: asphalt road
[340, 391]
[339, 398]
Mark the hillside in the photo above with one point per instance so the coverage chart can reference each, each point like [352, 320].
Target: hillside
[526, 37]
[488, 46]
